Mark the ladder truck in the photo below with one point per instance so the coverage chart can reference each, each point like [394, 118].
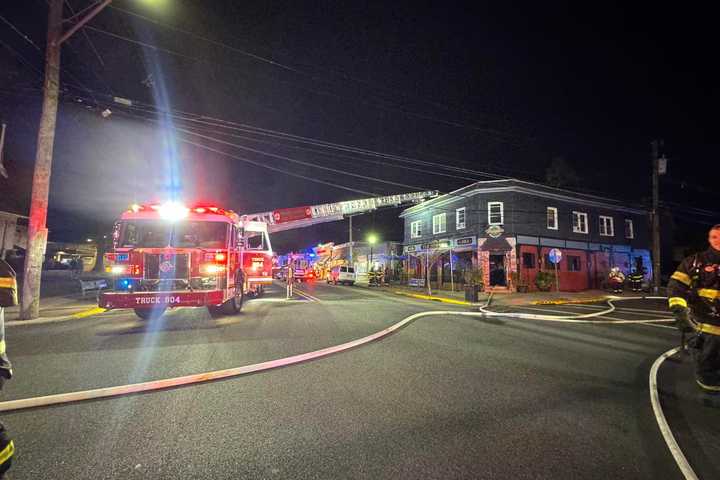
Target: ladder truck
[171, 255]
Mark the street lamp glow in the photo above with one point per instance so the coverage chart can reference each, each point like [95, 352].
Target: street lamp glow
[372, 239]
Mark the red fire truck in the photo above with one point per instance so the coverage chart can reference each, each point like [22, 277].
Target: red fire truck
[171, 255]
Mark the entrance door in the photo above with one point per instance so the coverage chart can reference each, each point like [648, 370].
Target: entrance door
[498, 278]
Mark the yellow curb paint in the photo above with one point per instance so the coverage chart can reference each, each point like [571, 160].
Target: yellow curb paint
[87, 313]
[565, 302]
[437, 299]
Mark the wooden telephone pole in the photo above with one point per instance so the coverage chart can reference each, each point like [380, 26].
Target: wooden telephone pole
[37, 228]
[656, 215]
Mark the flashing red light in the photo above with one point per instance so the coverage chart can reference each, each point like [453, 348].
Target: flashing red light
[200, 210]
[213, 209]
[220, 257]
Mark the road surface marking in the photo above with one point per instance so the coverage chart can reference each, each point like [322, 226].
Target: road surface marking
[667, 434]
[606, 317]
[433, 298]
[306, 295]
[629, 311]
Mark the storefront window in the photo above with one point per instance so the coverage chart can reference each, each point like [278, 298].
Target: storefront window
[573, 263]
[528, 260]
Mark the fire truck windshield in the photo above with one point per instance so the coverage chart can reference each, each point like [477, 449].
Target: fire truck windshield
[158, 234]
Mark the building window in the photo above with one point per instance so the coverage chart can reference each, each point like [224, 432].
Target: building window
[495, 213]
[629, 231]
[416, 229]
[460, 218]
[607, 228]
[573, 263]
[439, 223]
[552, 218]
[580, 222]
[528, 260]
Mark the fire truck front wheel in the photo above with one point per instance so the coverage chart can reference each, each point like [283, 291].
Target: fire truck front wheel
[149, 313]
[234, 305]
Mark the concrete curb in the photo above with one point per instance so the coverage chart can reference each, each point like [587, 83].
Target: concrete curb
[567, 302]
[63, 318]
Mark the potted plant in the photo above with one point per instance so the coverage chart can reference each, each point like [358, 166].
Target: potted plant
[544, 281]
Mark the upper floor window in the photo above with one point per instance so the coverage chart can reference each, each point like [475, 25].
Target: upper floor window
[439, 223]
[580, 222]
[552, 218]
[416, 229]
[460, 218]
[495, 213]
[607, 227]
[629, 231]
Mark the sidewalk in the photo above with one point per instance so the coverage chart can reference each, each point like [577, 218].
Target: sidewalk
[530, 298]
[60, 297]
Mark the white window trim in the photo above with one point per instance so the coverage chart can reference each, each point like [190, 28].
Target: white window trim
[458, 225]
[502, 213]
[436, 225]
[611, 223]
[575, 228]
[629, 221]
[416, 232]
[555, 215]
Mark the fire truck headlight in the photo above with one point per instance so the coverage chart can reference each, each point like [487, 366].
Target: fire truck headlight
[173, 211]
[211, 269]
[118, 269]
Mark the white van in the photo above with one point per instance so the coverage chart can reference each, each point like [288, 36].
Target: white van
[341, 274]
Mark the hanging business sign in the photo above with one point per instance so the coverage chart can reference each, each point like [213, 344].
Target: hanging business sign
[494, 231]
[465, 241]
[412, 248]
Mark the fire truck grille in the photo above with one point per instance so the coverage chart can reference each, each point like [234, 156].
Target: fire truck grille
[167, 267]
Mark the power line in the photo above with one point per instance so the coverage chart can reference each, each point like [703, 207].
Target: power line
[285, 172]
[226, 124]
[215, 122]
[87, 37]
[500, 136]
[288, 159]
[315, 77]
[29, 40]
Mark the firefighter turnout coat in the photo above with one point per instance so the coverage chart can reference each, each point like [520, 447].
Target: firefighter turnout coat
[696, 285]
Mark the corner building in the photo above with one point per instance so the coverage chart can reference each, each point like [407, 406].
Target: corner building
[502, 231]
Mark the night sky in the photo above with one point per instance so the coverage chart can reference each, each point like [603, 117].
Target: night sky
[501, 89]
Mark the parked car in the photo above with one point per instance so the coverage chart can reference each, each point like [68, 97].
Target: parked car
[343, 274]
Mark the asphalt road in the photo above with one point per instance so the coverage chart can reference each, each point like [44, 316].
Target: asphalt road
[445, 397]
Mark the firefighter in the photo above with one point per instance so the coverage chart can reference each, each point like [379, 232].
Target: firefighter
[616, 279]
[636, 280]
[8, 298]
[694, 299]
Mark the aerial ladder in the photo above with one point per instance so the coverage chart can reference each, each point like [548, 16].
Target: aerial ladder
[298, 217]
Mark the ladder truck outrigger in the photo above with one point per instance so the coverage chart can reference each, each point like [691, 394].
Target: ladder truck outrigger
[170, 255]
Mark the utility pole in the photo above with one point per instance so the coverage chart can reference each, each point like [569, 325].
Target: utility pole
[37, 228]
[350, 241]
[656, 216]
